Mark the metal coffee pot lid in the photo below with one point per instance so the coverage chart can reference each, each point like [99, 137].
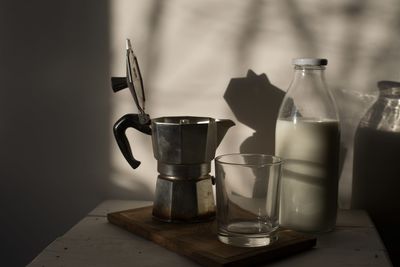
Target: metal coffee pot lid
[134, 82]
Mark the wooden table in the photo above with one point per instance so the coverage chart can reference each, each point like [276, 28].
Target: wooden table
[95, 242]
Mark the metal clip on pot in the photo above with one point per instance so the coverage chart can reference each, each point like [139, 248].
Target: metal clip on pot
[141, 121]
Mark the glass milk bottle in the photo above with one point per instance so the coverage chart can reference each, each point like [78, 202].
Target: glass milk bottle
[307, 138]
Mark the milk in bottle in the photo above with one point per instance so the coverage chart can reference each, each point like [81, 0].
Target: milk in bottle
[307, 137]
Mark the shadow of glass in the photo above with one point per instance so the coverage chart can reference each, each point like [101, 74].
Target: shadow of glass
[255, 102]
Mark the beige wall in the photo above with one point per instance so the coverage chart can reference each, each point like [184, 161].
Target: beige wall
[190, 50]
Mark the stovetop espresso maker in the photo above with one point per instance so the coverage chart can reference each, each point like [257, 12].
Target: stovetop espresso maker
[184, 148]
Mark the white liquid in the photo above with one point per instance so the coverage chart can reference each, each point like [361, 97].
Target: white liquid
[309, 186]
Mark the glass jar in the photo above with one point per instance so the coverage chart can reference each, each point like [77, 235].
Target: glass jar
[376, 167]
[308, 139]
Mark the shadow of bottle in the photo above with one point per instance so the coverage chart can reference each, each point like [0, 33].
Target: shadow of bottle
[255, 102]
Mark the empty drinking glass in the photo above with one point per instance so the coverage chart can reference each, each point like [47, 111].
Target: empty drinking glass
[247, 189]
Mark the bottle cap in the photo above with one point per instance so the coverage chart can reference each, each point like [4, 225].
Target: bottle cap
[310, 61]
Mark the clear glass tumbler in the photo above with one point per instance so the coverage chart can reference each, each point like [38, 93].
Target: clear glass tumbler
[247, 190]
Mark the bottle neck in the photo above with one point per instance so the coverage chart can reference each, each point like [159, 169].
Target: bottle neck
[390, 96]
[307, 72]
[309, 78]
[309, 67]
[308, 96]
[384, 114]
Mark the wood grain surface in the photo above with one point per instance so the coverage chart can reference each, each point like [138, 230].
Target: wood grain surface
[198, 241]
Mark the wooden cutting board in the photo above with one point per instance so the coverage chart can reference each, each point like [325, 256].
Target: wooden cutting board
[198, 241]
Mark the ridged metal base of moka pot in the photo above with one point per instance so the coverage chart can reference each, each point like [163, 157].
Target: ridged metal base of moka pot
[184, 193]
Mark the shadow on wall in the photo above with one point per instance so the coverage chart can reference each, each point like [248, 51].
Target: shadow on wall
[54, 115]
[255, 102]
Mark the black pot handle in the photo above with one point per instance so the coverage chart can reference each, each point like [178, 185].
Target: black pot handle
[126, 121]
